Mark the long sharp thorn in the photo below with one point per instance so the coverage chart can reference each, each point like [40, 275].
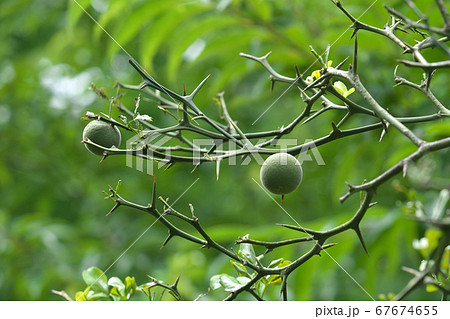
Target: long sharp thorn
[176, 281]
[154, 192]
[383, 133]
[217, 168]
[361, 239]
[192, 95]
[297, 72]
[195, 167]
[335, 128]
[342, 63]
[405, 168]
[113, 209]
[372, 204]
[168, 166]
[167, 240]
[105, 155]
[355, 55]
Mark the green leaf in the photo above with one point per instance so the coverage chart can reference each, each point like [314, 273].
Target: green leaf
[114, 291]
[340, 87]
[115, 297]
[230, 283]
[240, 269]
[247, 252]
[96, 279]
[275, 263]
[260, 288]
[441, 204]
[279, 263]
[115, 282]
[243, 280]
[214, 282]
[264, 280]
[92, 296]
[130, 286]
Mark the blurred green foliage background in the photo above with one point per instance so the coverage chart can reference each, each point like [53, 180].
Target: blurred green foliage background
[52, 212]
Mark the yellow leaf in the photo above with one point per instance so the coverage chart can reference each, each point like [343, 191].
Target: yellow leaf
[114, 291]
[339, 90]
[316, 74]
[284, 263]
[80, 296]
[431, 288]
[276, 281]
[350, 91]
[340, 86]
[445, 261]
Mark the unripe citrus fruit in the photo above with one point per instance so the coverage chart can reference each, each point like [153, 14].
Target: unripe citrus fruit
[101, 133]
[281, 173]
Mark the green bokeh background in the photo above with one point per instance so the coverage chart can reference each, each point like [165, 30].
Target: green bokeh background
[52, 212]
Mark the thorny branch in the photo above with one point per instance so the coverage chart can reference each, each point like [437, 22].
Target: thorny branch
[311, 92]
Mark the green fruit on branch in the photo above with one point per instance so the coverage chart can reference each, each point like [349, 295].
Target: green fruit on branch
[103, 134]
[281, 173]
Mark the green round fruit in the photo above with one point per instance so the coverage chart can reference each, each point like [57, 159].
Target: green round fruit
[101, 133]
[281, 173]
